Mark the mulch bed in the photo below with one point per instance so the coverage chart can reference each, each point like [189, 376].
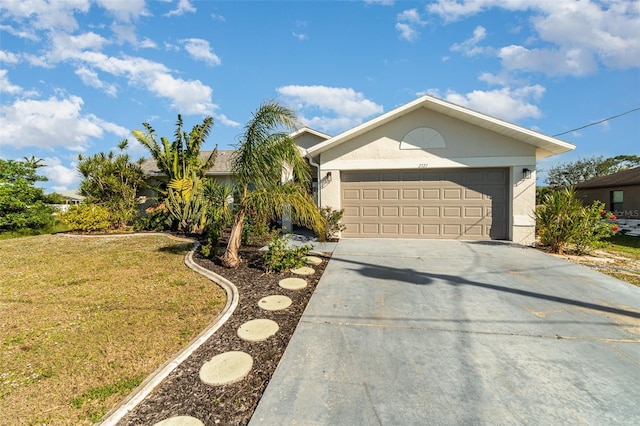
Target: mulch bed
[182, 392]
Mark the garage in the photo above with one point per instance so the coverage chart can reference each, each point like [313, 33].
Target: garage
[431, 169]
[468, 204]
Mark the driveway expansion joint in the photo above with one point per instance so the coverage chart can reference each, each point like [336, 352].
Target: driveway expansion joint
[488, 333]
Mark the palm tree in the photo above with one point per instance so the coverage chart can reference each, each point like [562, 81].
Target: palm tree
[180, 161]
[261, 156]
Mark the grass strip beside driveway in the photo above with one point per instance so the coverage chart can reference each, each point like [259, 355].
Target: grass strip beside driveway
[84, 320]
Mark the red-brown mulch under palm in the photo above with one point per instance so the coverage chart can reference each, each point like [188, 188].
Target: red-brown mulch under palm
[182, 392]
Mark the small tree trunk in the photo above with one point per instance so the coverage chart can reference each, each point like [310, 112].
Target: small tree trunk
[231, 258]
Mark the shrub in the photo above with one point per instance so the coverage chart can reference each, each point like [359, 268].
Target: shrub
[156, 220]
[562, 220]
[255, 231]
[87, 218]
[279, 257]
[334, 225]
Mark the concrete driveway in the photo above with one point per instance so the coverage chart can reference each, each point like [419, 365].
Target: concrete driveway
[403, 332]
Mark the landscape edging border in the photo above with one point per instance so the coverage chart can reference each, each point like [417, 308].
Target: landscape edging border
[154, 379]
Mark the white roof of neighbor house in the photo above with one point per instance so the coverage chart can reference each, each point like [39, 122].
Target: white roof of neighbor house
[72, 194]
[547, 145]
[222, 165]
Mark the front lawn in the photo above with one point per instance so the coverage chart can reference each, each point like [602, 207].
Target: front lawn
[84, 320]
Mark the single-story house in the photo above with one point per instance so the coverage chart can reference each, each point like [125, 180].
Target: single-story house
[620, 192]
[427, 169]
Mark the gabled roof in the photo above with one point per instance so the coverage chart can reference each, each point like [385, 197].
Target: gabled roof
[546, 145]
[623, 178]
[222, 165]
[306, 129]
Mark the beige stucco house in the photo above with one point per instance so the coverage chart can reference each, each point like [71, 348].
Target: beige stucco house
[432, 169]
[427, 169]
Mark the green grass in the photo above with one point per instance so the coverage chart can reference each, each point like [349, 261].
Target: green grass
[625, 245]
[84, 320]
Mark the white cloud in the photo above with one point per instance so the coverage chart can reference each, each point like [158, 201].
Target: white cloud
[90, 78]
[183, 7]
[470, 46]
[408, 23]
[27, 33]
[51, 123]
[200, 50]
[60, 176]
[300, 36]
[146, 43]
[507, 104]
[577, 33]
[8, 57]
[6, 86]
[550, 61]
[187, 96]
[44, 15]
[125, 11]
[332, 108]
[223, 119]
[124, 33]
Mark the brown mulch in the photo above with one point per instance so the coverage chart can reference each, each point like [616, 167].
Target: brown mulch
[182, 392]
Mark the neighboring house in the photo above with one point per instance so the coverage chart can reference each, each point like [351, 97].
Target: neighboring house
[427, 169]
[71, 198]
[620, 192]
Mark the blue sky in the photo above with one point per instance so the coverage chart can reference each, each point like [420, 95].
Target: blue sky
[76, 76]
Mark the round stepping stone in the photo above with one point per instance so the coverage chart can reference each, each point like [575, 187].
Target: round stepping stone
[274, 303]
[257, 330]
[228, 367]
[292, 283]
[315, 253]
[305, 270]
[312, 260]
[180, 421]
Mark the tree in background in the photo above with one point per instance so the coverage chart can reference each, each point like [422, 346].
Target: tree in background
[184, 167]
[112, 181]
[258, 163]
[572, 173]
[22, 205]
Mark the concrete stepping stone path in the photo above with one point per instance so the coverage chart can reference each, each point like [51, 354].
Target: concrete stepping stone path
[226, 368]
[305, 270]
[312, 260]
[257, 330]
[180, 421]
[275, 303]
[292, 283]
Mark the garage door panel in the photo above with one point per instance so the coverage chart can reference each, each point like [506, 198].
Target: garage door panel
[370, 211]
[370, 194]
[390, 194]
[430, 194]
[410, 229]
[413, 211]
[467, 204]
[411, 194]
[448, 212]
[391, 212]
[452, 194]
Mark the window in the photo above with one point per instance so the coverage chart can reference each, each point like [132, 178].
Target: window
[617, 197]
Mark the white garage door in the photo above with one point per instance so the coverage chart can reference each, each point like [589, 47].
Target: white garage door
[451, 203]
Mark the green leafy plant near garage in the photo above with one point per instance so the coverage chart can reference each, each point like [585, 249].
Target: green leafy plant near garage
[562, 221]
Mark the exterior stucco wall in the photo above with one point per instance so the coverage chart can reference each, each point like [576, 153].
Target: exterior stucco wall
[631, 203]
[465, 146]
[307, 140]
